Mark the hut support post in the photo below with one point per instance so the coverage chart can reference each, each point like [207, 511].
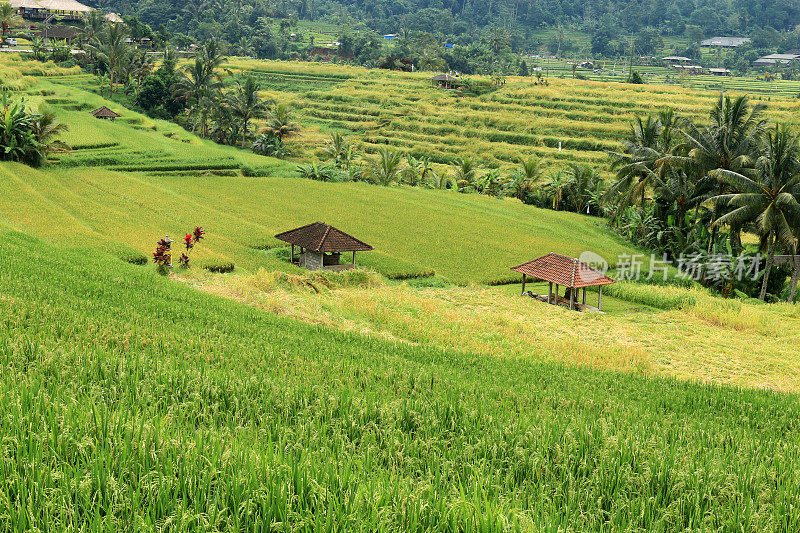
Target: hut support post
[550, 292]
[584, 296]
[600, 298]
[354, 258]
[572, 299]
[523, 285]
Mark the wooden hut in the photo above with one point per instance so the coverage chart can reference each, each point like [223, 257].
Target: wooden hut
[561, 270]
[105, 113]
[445, 81]
[321, 246]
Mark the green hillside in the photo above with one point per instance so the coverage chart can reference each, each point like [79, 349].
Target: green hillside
[133, 400]
[135, 179]
[274, 399]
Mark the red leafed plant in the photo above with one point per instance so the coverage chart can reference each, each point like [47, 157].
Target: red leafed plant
[163, 254]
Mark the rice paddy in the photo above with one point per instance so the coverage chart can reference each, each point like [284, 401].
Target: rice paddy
[568, 121]
[272, 399]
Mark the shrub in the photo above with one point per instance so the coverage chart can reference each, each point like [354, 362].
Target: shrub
[219, 267]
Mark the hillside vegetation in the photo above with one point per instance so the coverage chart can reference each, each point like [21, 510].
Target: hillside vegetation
[499, 129]
[133, 400]
[130, 181]
[272, 398]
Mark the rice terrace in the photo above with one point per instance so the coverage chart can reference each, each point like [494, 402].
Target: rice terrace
[368, 266]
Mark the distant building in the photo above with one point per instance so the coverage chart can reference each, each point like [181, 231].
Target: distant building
[719, 72]
[42, 9]
[725, 42]
[113, 18]
[675, 60]
[690, 69]
[69, 34]
[775, 59]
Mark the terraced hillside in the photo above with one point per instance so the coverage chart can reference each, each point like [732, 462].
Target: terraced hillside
[128, 182]
[516, 121]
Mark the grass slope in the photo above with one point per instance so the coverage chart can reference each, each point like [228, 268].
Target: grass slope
[128, 182]
[131, 401]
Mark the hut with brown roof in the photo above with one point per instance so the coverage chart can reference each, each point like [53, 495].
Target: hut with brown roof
[445, 81]
[561, 270]
[321, 246]
[105, 113]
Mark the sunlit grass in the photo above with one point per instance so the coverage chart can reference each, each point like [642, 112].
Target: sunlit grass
[134, 402]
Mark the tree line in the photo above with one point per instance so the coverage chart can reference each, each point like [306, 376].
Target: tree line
[199, 95]
[460, 17]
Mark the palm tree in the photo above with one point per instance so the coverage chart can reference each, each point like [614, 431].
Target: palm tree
[93, 25]
[729, 142]
[45, 127]
[110, 48]
[583, 186]
[8, 19]
[211, 56]
[386, 168]
[554, 187]
[140, 66]
[465, 174]
[637, 165]
[769, 197]
[280, 124]
[243, 48]
[245, 103]
[524, 177]
[340, 150]
[197, 86]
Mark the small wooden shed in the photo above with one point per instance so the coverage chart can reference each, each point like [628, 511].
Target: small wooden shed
[105, 113]
[445, 81]
[321, 246]
[561, 270]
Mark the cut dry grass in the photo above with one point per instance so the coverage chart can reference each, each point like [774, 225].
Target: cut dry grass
[702, 338]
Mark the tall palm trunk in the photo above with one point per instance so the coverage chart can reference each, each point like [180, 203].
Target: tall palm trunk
[768, 268]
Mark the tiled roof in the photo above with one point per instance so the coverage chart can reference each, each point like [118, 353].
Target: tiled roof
[321, 237]
[564, 271]
[104, 112]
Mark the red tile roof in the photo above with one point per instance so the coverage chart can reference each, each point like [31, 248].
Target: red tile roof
[564, 271]
[320, 237]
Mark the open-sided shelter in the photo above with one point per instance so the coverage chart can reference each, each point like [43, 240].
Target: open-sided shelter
[321, 246]
[561, 270]
[445, 81]
[105, 113]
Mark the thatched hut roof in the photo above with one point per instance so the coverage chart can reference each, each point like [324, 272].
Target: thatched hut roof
[104, 112]
[443, 77]
[52, 5]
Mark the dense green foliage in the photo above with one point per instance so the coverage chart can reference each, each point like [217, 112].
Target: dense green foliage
[25, 135]
[457, 17]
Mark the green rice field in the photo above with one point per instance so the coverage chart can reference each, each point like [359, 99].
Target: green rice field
[412, 395]
[499, 129]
